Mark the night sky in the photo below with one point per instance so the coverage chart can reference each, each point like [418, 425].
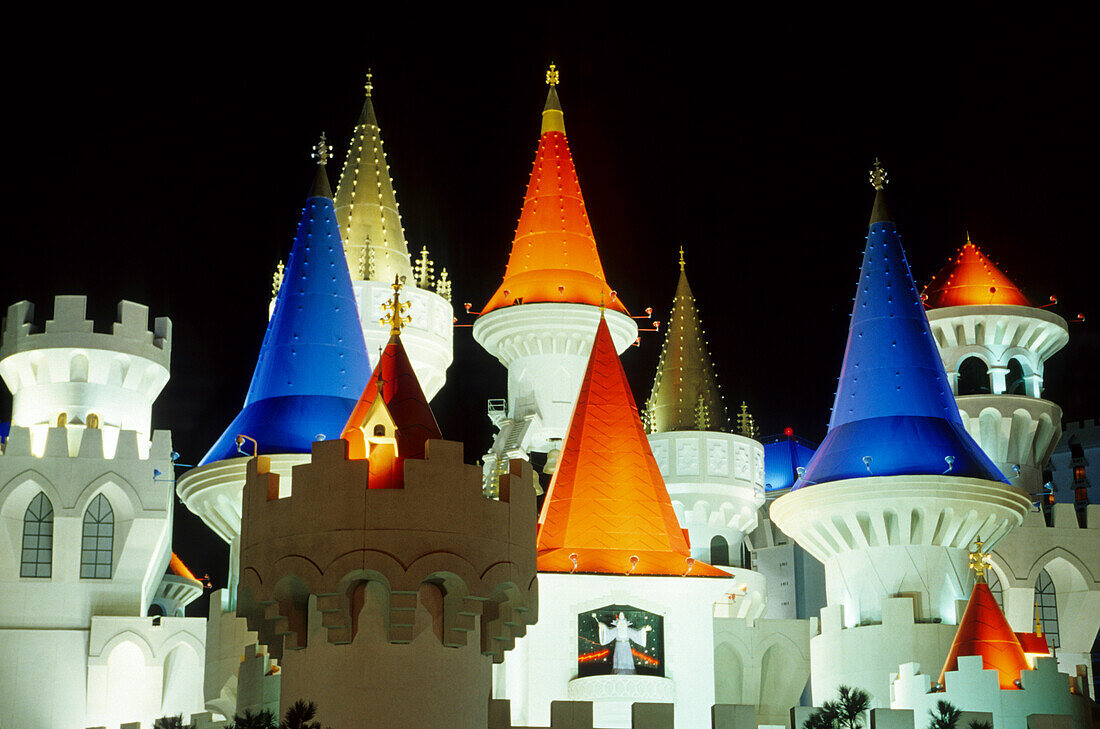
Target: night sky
[167, 163]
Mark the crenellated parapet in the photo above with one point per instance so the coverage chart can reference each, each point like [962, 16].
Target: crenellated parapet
[438, 543]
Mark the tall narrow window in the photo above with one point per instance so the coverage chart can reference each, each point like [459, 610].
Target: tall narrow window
[1046, 608]
[37, 560]
[719, 551]
[99, 540]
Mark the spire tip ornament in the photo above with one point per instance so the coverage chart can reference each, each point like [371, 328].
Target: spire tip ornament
[369, 85]
[877, 176]
[552, 77]
[681, 258]
[396, 309]
[979, 560]
[321, 151]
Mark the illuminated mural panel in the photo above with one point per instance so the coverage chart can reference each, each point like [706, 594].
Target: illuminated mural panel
[620, 639]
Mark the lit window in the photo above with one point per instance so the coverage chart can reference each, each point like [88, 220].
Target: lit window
[1046, 608]
[99, 538]
[37, 560]
[1078, 473]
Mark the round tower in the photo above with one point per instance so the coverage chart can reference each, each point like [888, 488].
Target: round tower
[897, 491]
[994, 344]
[376, 250]
[71, 375]
[541, 320]
[715, 478]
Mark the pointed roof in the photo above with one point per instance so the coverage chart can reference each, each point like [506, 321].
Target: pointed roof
[554, 256]
[179, 569]
[607, 503]
[366, 205]
[894, 413]
[685, 380]
[970, 278]
[984, 631]
[313, 360]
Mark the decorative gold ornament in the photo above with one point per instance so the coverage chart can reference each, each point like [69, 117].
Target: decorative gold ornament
[396, 309]
[552, 75]
[979, 560]
[877, 176]
[321, 151]
[369, 85]
[681, 258]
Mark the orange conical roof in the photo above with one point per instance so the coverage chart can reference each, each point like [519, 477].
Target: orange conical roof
[984, 631]
[972, 279]
[607, 507]
[179, 569]
[554, 256]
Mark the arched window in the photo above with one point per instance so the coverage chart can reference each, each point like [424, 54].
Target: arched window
[1015, 379]
[99, 540]
[973, 377]
[719, 551]
[1046, 608]
[37, 559]
[380, 430]
[995, 587]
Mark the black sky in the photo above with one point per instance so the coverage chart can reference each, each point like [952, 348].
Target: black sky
[166, 162]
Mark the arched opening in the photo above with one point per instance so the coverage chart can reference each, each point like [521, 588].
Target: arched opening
[155, 610]
[719, 551]
[1046, 608]
[98, 543]
[973, 377]
[380, 430]
[37, 556]
[1016, 385]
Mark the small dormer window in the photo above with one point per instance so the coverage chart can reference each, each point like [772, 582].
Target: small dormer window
[380, 430]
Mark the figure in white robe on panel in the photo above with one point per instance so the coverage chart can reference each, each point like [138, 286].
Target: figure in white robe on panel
[621, 632]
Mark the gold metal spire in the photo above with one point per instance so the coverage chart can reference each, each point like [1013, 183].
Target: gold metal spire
[681, 258]
[395, 310]
[877, 175]
[321, 151]
[369, 85]
[979, 561]
[552, 77]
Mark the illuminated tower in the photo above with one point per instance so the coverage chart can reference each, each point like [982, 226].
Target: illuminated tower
[374, 242]
[609, 543]
[540, 321]
[715, 478]
[896, 492]
[311, 368]
[994, 345]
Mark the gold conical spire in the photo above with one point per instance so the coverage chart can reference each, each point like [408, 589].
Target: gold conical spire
[553, 120]
[366, 205]
[685, 385]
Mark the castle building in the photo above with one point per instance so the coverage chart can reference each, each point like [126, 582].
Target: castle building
[540, 321]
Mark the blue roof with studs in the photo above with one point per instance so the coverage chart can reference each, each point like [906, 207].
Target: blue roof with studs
[313, 361]
[894, 413]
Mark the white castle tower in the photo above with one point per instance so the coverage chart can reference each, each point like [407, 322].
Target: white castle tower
[541, 321]
[86, 511]
[896, 493]
[715, 478]
[994, 345]
[374, 242]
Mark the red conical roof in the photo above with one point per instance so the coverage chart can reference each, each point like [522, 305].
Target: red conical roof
[607, 506]
[554, 257]
[972, 279]
[984, 631]
[408, 421]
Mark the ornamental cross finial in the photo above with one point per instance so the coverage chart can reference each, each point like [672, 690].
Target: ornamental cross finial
[369, 85]
[396, 309]
[878, 177]
[552, 75]
[979, 560]
[681, 258]
[321, 151]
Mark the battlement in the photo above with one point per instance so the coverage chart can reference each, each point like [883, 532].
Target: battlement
[1063, 516]
[86, 444]
[70, 327]
[344, 543]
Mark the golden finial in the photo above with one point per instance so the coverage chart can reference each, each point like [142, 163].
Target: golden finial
[396, 309]
[369, 85]
[552, 75]
[602, 307]
[878, 177]
[979, 560]
[321, 151]
[681, 258]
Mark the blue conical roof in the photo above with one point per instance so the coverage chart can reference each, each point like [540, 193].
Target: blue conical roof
[894, 413]
[313, 361]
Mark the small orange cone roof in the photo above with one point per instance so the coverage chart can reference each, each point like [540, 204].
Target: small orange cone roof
[179, 569]
[971, 279]
[983, 631]
[607, 509]
[554, 257]
[404, 400]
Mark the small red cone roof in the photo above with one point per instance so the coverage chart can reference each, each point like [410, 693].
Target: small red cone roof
[404, 401]
[971, 279]
[607, 509]
[554, 256]
[179, 569]
[984, 631]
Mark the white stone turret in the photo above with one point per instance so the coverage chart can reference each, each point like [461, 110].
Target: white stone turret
[994, 347]
[70, 374]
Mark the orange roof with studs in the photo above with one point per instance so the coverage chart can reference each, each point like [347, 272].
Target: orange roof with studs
[179, 569]
[608, 510]
[971, 279]
[394, 380]
[984, 631]
[554, 256]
